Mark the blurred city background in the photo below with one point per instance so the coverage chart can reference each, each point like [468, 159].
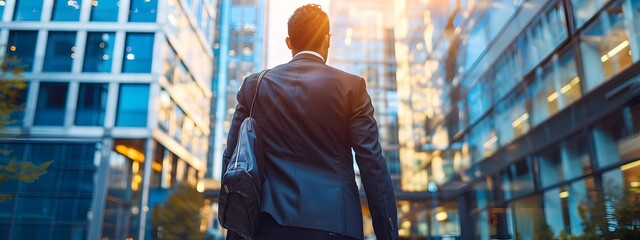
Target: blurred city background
[507, 119]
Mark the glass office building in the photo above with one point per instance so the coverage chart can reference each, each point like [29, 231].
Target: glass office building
[240, 49]
[362, 43]
[519, 119]
[118, 99]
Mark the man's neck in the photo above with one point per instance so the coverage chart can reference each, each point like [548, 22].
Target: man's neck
[314, 53]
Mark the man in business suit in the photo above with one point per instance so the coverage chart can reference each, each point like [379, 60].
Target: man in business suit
[309, 116]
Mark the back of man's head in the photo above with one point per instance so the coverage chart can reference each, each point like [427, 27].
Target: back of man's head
[308, 27]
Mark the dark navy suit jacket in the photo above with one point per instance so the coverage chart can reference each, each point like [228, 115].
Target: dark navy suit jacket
[309, 117]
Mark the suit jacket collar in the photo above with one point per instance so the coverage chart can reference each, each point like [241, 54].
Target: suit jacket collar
[308, 57]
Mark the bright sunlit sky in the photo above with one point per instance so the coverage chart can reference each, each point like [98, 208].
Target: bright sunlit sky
[279, 13]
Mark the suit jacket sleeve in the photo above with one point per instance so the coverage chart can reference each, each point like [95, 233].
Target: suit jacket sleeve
[242, 112]
[363, 135]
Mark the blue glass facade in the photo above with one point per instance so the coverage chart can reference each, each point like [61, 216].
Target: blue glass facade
[92, 104]
[27, 10]
[60, 52]
[21, 46]
[143, 10]
[138, 53]
[540, 135]
[96, 78]
[52, 101]
[98, 55]
[65, 10]
[132, 105]
[58, 204]
[104, 11]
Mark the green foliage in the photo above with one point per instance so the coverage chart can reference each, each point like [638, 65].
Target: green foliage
[179, 217]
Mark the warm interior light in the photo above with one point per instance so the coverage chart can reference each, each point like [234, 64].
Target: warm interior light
[131, 56]
[564, 89]
[564, 194]
[630, 165]
[2, 3]
[521, 119]
[157, 166]
[442, 216]
[490, 142]
[130, 153]
[635, 184]
[200, 187]
[12, 48]
[94, 3]
[614, 51]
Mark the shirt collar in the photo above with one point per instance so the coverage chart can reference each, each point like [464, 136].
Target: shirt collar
[312, 53]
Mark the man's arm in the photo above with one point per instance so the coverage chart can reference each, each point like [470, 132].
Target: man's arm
[242, 112]
[363, 134]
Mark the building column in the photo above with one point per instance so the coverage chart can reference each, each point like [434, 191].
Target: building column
[103, 151]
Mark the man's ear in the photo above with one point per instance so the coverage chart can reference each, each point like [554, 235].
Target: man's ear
[327, 40]
[288, 40]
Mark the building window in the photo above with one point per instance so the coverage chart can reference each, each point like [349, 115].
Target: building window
[605, 46]
[52, 101]
[513, 115]
[539, 40]
[525, 218]
[92, 103]
[60, 52]
[556, 87]
[616, 138]
[66, 10]
[27, 10]
[138, 53]
[21, 46]
[16, 117]
[517, 180]
[2, 8]
[562, 206]
[621, 190]
[483, 141]
[98, 55]
[583, 10]
[133, 102]
[507, 73]
[104, 10]
[567, 160]
[479, 99]
[143, 10]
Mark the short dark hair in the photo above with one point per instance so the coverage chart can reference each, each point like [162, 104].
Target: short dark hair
[307, 27]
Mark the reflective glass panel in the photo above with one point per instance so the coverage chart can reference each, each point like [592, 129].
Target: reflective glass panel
[21, 46]
[16, 117]
[132, 105]
[98, 55]
[622, 190]
[605, 46]
[66, 10]
[517, 180]
[50, 108]
[143, 10]
[583, 10]
[525, 219]
[60, 52]
[616, 138]
[138, 53]
[563, 206]
[27, 10]
[557, 86]
[104, 10]
[92, 102]
[565, 161]
[2, 4]
[542, 37]
[513, 116]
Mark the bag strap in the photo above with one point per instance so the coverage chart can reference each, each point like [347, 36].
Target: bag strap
[255, 95]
